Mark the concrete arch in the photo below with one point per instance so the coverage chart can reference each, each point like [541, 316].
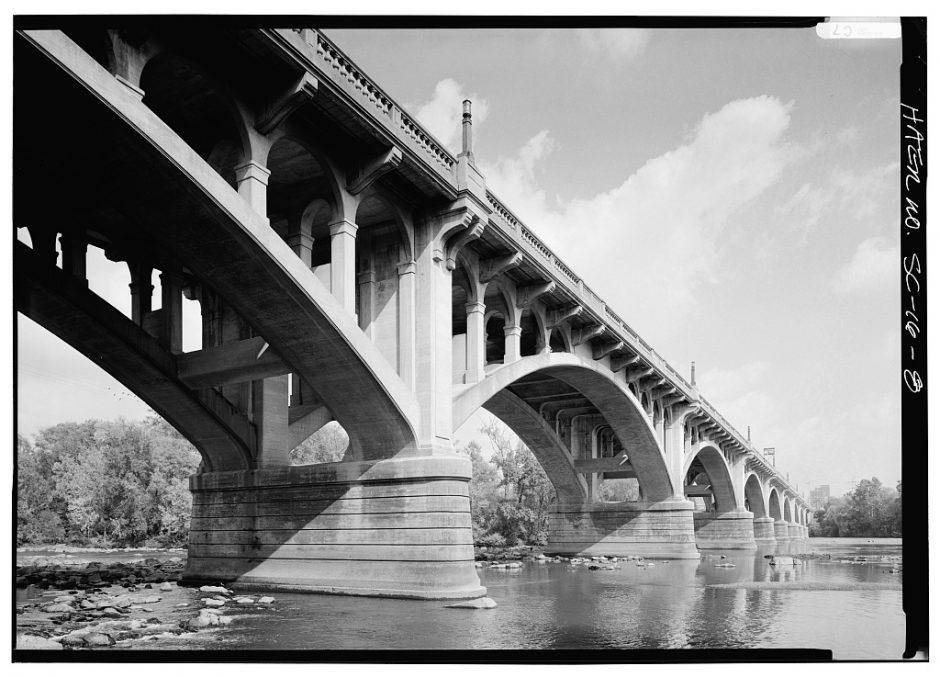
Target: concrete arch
[612, 400]
[343, 203]
[536, 434]
[187, 125]
[719, 474]
[400, 217]
[773, 504]
[787, 512]
[564, 336]
[754, 493]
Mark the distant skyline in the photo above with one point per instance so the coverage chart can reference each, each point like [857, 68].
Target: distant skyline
[732, 194]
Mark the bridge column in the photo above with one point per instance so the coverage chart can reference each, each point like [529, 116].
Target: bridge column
[74, 247]
[252, 181]
[300, 240]
[141, 291]
[512, 350]
[476, 340]
[171, 334]
[366, 282]
[406, 322]
[793, 530]
[343, 263]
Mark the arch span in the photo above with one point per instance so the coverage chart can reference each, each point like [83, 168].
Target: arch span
[773, 501]
[754, 494]
[719, 475]
[612, 400]
[787, 513]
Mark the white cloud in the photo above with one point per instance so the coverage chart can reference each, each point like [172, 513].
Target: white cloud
[443, 113]
[874, 266]
[803, 211]
[864, 192]
[668, 219]
[621, 44]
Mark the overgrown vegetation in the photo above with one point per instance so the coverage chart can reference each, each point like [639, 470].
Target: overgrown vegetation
[106, 484]
[510, 495]
[869, 510]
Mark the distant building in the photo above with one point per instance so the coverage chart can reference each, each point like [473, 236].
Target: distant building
[819, 496]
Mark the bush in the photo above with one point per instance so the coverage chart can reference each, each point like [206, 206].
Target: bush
[491, 541]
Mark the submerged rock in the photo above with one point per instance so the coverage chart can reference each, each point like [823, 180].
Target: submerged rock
[479, 603]
[32, 642]
[266, 600]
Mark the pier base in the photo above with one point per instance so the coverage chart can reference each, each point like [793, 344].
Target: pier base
[655, 530]
[732, 530]
[389, 528]
[764, 532]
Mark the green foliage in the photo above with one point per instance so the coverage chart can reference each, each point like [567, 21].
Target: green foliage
[869, 510]
[326, 445]
[510, 495]
[106, 483]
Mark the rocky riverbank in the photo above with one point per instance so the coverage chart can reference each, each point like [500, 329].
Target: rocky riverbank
[123, 605]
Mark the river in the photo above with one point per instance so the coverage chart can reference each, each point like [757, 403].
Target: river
[843, 604]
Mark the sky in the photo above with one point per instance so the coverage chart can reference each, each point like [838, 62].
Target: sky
[732, 194]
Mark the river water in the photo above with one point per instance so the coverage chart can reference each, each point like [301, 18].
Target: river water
[843, 604]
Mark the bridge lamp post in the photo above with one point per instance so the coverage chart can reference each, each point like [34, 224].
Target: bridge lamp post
[771, 451]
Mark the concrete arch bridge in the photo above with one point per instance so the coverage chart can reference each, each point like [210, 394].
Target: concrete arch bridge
[346, 267]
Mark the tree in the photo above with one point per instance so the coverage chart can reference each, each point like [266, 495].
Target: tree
[327, 445]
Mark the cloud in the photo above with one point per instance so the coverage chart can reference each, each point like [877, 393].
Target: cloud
[668, 220]
[443, 113]
[862, 193]
[874, 266]
[803, 211]
[620, 44]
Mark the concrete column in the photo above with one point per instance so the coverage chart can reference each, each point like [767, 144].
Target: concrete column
[269, 414]
[476, 341]
[366, 282]
[406, 322]
[513, 350]
[252, 181]
[433, 341]
[171, 334]
[730, 530]
[781, 531]
[343, 263]
[141, 291]
[74, 247]
[301, 243]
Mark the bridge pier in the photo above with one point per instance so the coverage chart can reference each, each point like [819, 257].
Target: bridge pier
[764, 531]
[732, 530]
[656, 530]
[389, 528]
[781, 531]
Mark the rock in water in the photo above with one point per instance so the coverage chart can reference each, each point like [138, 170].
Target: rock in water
[244, 600]
[479, 603]
[166, 587]
[212, 602]
[215, 588]
[36, 642]
[58, 609]
[98, 639]
[266, 600]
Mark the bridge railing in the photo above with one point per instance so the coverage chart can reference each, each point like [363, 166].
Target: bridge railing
[330, 62]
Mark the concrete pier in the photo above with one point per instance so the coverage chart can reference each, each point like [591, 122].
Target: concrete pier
[725, 531]
[389, 528]
[781, 531]
[764, 531]
[663, 529]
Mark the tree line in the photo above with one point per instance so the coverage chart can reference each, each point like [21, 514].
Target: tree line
[869, 510]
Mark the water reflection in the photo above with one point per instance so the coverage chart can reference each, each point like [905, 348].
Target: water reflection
[668, 605]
